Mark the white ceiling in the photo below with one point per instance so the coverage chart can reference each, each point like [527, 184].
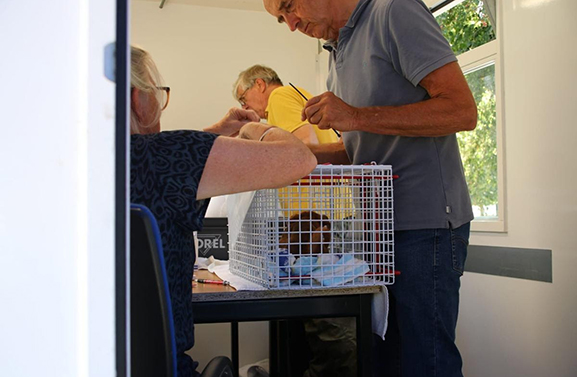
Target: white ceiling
[238, 4]
[230, 4]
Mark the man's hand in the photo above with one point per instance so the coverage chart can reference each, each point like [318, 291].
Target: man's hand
[233, 121]
[329, 111]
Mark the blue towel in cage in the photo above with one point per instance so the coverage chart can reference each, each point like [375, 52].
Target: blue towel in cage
[304, 266]
[344, 270]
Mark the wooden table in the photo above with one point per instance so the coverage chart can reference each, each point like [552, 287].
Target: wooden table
[217, 304]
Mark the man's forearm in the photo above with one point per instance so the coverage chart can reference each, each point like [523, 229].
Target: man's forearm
[430, 118]
[451, 108]
[333, 153]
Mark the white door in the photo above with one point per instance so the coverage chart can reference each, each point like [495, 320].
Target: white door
[58, 149]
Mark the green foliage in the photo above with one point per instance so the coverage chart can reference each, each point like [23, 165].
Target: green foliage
[466, 26]
[479, 147]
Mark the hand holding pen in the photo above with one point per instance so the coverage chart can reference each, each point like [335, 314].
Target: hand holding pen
[304, 117]
[329, 111]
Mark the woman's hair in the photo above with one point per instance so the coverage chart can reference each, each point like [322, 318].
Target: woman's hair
[145, 77]
[247, 78]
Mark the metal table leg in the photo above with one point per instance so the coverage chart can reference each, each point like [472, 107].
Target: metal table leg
[364, 337]
[234, 346]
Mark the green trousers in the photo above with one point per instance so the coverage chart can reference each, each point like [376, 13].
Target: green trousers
[333, 346]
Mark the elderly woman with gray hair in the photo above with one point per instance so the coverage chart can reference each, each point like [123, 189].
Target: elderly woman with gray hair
[174, 173]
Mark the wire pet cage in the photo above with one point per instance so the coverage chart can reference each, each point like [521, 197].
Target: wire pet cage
[331, 228]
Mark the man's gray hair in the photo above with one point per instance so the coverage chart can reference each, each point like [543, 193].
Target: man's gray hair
[247, 78]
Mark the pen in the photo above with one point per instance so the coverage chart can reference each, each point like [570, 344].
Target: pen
[207, 281]
[306, 99]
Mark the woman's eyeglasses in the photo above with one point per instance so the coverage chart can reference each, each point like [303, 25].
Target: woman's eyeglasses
[165, 97]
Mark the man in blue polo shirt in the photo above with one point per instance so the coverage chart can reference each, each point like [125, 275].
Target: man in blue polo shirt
[398, 96]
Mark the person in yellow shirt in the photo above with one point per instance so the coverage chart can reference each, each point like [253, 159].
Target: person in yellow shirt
[332, 341]
[259, 88]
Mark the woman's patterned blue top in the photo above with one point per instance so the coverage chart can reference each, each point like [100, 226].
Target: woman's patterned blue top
[165, 170]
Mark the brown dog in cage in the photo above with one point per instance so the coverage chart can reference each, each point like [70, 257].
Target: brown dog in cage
[308, 233]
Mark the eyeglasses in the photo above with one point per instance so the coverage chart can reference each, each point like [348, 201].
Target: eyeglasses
[241, 99]
[165, 97]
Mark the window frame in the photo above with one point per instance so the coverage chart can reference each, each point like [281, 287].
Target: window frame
[472, 60]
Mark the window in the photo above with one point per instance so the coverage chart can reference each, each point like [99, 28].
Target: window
[469, 27]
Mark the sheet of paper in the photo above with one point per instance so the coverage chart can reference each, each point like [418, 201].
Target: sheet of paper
[238, 206]
[238, 283]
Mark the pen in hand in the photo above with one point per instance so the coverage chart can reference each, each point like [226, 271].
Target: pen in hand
[306, 99]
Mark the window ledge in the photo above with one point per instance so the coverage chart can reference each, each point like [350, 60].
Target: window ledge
[488, 226]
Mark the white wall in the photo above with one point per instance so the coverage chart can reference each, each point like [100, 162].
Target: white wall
[57, 296]
[512, 327]
[201, 50]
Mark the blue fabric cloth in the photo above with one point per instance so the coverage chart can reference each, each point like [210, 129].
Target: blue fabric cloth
[304, 265]
[420, 339]
[165, 170]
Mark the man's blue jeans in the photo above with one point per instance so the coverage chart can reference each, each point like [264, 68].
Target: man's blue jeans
[420, 339]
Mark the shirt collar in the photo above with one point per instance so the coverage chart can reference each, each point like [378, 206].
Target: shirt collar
[330, 45]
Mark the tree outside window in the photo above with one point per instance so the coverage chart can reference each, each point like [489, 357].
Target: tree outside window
[466, 26]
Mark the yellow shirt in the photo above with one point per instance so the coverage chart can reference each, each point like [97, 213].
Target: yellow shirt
[284, 110]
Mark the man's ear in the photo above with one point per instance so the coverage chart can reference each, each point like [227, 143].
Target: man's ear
[261, 85]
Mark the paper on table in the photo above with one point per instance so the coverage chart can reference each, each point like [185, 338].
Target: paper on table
[238, 283]
[238, 206]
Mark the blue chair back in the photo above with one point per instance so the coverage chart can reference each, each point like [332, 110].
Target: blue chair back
[152, 339]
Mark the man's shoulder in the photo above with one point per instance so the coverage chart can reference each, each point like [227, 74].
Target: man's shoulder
[387, 6]
[381, 5]
[280, 91]
[287, 93]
